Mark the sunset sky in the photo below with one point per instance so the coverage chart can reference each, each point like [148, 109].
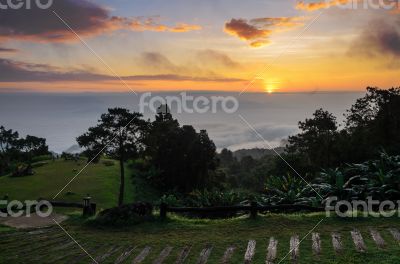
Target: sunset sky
[219, 45]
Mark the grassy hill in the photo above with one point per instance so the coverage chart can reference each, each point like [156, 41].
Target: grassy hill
[98, 180]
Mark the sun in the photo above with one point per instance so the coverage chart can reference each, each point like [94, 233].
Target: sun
[270, 86]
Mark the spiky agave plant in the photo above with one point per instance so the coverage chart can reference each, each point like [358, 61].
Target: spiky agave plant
[287, 189]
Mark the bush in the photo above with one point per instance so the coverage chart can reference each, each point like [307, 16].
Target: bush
[379, 179]
[286, 189]
[209, 198]
[382, 176]
[22, 170]
[128, 214]
[171, 200]
[213, 198]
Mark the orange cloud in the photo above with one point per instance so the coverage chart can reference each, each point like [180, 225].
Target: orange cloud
[301, 5]
[258, 31]
[153, 24]
[183, 27]
[259, 43]
[396, 10]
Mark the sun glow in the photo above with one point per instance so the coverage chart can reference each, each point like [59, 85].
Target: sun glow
[270, 86]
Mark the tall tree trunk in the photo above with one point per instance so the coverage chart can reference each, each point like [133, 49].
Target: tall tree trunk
[122, 180]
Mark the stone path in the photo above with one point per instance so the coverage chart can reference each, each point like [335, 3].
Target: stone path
[51, 245]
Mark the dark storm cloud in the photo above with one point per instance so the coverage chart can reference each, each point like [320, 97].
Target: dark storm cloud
[379, 38]
[85, 17]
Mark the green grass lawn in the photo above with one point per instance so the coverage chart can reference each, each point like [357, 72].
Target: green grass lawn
[102, 183]
[179, 232]
[98, 180]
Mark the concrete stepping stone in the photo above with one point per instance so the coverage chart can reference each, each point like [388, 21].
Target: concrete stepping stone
[316, 243]
[337, 242]
[183, 255]
[124, 255]
[204, 255]
[111, 251]
[376, 236]
[272, 251]
[294, 249]
[395, 233]
[358, 240]
[251, 250]
[163, 255]
[142, 255]
[228, 255]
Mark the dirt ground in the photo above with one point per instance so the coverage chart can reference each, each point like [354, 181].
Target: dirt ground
[33, 221]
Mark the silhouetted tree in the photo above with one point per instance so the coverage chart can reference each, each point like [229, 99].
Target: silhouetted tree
[316, 141]
[118, 134]
[14, 149]
[373, 124]
[32, 146]
[226, 157]
[184, 158]
[8, 149]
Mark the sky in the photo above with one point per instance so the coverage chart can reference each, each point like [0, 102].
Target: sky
[219, 45]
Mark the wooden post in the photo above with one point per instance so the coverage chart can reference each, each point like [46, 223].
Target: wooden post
[86, 206]
[92, 209]
[253, 210]
[163, 210]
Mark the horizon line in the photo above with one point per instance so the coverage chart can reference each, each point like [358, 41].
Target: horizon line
[25, 91]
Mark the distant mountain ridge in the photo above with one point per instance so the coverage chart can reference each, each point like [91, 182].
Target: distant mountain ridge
[256, 153]
[74, 149]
